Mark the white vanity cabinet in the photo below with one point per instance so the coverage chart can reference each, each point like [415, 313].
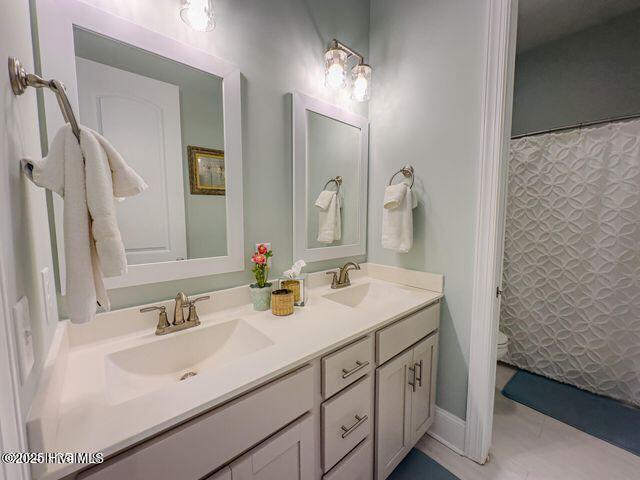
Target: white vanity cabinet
[204, 444]
[405, 403]
[224, 474]
[352, 414]
[407, 353]
[289, 455]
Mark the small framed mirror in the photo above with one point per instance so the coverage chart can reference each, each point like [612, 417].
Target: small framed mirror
[174, 113]
[330, 168]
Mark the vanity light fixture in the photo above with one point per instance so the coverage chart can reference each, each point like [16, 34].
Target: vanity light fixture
[198, 14]
[335, 68]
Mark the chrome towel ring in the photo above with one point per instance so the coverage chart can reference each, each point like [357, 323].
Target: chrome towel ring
[337, 180]
[407, 171]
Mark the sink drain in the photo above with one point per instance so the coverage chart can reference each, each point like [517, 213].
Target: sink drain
[187, 375]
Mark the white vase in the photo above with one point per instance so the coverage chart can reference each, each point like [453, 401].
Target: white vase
[261, 297]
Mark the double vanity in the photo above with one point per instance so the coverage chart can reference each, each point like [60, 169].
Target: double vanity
[341, 389]
[347, 379]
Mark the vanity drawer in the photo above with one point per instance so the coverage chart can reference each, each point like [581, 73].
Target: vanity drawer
[342, 368]
[199, 446]
[400, 335]
[358, 465]
[346, 421]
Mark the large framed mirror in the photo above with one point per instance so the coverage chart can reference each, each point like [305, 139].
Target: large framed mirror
[330, 168]
[174, 113]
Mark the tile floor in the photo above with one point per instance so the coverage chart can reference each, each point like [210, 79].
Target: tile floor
[528, 445]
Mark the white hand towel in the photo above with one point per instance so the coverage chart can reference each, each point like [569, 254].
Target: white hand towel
[93, 244]
[324, 199]
[329, 219]
[107, 175]
[394, 195]
[397, 221]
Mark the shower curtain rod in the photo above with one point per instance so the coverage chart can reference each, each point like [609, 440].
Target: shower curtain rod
[577, 125]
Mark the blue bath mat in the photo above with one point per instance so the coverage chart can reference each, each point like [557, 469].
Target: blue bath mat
[418, 466]
[602, 417]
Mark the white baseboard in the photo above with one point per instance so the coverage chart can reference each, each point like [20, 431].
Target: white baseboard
[448, 430]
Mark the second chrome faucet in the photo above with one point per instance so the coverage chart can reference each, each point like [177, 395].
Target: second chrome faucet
[179, 322]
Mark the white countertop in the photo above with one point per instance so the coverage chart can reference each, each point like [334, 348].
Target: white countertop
[73, 412]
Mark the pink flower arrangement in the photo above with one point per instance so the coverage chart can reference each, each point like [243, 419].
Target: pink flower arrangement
[261, 265]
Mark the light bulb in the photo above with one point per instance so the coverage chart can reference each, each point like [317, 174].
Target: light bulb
[335, 62]
[361, 79]
[336, 76]
[198, 14]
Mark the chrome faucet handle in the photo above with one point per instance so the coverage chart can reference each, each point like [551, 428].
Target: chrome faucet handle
[193, 313]
[334, 280]
[163, 321]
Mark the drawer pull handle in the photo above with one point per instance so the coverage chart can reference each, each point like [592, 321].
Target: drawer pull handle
[419, 378]
[359, 366]
[346, 431]
[412, 383]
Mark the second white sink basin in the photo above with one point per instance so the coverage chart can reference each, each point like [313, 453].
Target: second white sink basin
[142, 369]
[372, 293]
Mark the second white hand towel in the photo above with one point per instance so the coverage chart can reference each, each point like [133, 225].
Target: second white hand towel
[397, 218]
[329, 220]
[88, 176]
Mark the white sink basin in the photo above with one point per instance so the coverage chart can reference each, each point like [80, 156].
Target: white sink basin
[140, 370]
[371, 293]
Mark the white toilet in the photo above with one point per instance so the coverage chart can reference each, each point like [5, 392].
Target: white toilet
[503, 345]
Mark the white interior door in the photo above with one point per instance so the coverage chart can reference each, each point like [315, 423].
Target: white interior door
[141, 118]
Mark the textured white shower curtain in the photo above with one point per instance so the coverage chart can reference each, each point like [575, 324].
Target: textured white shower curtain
[571, 303]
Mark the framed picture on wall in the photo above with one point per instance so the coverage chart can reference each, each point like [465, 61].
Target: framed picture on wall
[206, 171]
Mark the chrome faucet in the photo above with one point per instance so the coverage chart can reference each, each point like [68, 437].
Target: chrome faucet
[341, 276]
[179, 322]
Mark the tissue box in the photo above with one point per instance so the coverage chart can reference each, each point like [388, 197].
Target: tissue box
[298, 286]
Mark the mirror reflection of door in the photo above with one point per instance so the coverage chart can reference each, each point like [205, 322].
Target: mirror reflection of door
[152, 109]
[141, 118]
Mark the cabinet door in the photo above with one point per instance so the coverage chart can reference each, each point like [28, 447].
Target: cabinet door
[288, 454]
[425, 358]
[224, 474]
[393, 413]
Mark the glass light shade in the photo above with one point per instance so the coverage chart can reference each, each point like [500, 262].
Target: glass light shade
[198, 14]
[335, 68]
[361, 83]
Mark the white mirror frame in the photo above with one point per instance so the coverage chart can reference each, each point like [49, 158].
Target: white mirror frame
[56, 19]
[301, 104]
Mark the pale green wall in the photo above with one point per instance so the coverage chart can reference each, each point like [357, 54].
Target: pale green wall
[201, 122]
[590, 75]
[428, 58]
[333, 148]
[23, 215]
[278, 46]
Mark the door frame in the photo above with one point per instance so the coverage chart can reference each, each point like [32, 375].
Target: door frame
[490, 212]
[12, 433]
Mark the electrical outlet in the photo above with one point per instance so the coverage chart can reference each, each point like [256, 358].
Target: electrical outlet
[24, 337]
[49, 295]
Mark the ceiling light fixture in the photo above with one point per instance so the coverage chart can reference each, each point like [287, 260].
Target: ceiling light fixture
[335, 71]
[198, 14]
